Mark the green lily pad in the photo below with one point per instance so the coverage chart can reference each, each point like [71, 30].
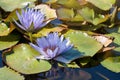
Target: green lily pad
[23, 60]
[9, 41]
[90, 16]
[9, 74]
[4, 30]
[112, 63]
[46, 10]
[83, 42]
[10, 5]
[102, 4]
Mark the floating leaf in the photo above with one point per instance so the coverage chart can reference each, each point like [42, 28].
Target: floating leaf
[83, 42]
[112, 63]
[9, 41]
[89, 15]
[47, 30]
[102, 4]
[10, 5]
[49, 12]
[23, 60]
[5, 30]
[65, 13]
[9, 74]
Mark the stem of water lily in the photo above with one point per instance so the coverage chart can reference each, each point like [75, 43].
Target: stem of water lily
[30, 36]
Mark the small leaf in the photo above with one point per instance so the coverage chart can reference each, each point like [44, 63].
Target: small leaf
[112, 63]
[4, 30]
[9, 74]
[23, 60]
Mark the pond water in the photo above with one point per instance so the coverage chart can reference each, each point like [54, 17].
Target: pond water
[94, 73]
[59, 73]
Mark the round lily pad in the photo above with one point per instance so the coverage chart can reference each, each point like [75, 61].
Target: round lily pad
[22, 59]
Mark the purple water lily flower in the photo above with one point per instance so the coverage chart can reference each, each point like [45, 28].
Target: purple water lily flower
[31, 20]
[51, 46]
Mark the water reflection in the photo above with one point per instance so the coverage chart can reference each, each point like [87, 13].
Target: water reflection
[60, 73]
[94, 73]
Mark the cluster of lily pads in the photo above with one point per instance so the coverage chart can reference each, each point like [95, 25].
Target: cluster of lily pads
[35, 35]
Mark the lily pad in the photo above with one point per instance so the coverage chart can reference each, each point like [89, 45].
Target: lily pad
[83, 42]
[23, 60]
[112, 63]
[4, 30]
[90, 16]
[49, 12]
[44, 31]
[9, 74]
[102, 4]
[10, 5]
[9, 41]
[65, 13]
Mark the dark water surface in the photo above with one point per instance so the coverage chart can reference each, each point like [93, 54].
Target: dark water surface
[58, 73]
[94, 73]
